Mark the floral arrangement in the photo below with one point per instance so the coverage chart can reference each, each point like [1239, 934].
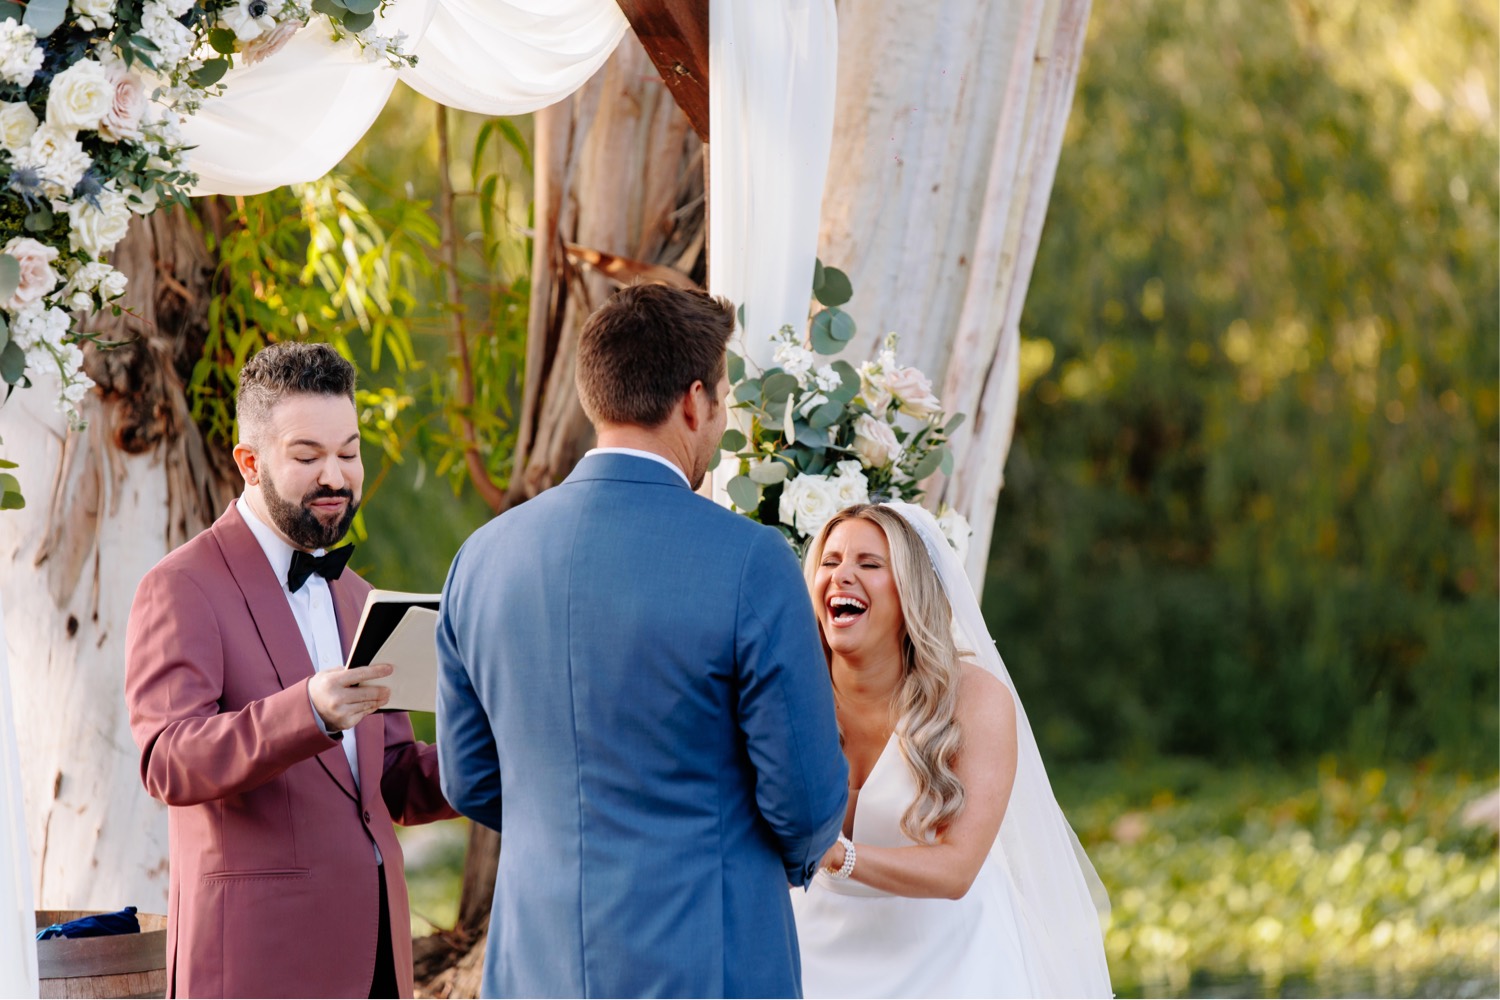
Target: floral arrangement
[824, 436]
[92, 96]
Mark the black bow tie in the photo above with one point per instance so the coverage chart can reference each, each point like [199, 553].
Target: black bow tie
[329, 566]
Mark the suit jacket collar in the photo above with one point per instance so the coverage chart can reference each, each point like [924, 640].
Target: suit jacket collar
[624, 468]
[278, 628]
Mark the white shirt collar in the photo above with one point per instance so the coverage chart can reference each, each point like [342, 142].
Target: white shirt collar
[625, 451]
[278, 552]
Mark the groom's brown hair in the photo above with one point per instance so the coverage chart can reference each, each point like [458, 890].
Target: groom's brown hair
[645, 347]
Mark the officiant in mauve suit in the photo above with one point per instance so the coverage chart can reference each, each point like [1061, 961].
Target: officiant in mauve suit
[632, 690]
[280, 779]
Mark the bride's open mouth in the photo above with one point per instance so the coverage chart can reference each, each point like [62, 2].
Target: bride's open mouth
[844, 610]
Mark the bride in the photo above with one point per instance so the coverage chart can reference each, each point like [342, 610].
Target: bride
[957, 874]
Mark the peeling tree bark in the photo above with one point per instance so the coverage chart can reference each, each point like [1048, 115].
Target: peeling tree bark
[947, 132]
[104, 505]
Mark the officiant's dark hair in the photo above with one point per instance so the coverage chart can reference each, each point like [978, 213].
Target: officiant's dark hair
[645, 347]
[288, 369]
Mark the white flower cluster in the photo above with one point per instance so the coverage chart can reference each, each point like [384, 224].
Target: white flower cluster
[808, 500]
[100, 140]
[956, 529]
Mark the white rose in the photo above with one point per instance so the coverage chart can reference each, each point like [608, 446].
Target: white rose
[913, 391]
[874, 441]
[20, 55]
[851, 486]
[95, 231]
[872, 388]
[94, 13]
[58, 157]
[37, 276]
[807, 502]
[17, 125]
[249, 19]
[80, 96]
[127, 106]
[956, 529]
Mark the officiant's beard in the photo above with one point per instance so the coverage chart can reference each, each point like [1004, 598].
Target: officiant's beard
[298, 522]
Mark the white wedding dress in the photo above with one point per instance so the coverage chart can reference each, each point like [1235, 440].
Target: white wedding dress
[860, 942]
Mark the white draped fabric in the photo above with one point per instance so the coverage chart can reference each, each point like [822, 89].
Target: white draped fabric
[18, 973]
[294, 116]
[772, 67]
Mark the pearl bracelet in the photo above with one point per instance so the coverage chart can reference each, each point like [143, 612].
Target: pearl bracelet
[847, 868]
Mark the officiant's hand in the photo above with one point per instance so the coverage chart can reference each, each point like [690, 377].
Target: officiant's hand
[339, 698]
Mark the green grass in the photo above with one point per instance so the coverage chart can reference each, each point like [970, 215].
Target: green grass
[1240, 882]
[1320, 882]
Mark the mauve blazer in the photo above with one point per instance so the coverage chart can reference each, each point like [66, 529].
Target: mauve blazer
[273, 890]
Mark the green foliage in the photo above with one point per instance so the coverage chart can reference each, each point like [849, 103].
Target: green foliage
[1334, 884]
[1252, 505]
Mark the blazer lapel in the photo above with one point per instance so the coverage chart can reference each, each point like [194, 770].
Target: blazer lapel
[275, 622]
[371, 729]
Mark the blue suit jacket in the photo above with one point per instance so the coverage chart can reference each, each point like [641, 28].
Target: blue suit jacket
[633, 692]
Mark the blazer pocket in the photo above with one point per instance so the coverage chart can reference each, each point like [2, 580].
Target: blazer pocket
[257, 875]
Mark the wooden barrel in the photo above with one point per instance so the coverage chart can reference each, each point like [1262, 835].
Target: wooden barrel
[121, 965]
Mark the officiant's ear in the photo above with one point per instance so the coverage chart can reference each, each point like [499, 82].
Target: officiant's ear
[247, 460]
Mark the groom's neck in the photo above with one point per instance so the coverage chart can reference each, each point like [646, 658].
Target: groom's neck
[658, 441]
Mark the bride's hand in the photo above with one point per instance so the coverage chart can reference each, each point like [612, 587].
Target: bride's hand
[833, 860]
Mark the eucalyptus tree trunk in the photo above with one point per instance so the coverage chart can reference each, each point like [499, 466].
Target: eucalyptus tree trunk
[103, 506]
[947, 131]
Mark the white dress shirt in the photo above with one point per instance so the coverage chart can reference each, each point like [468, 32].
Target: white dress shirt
[312, 606]
[626, 451]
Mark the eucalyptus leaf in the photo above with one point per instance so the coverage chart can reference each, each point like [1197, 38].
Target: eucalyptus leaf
[10, 492]
[39, 221]
[210, 72]
[736, 365]
[744, 492]
[953, 424]
[740, 314]
[713, 462]
[769, 473]
[776, 388]
[11, 10]
[223, 40]
[143, 44]
[10, 276]
[820, 333]
[358, 22]
[4, 339]
[327, 7]
[818, 272]
[748, 391]
[825, 415]
[362, 6]
[8, 465]
[45, 16]
[835, 289]
[816, 437]
[848, 386]
[12, 363]
[832, 328]
[946, 466]
[732, 440]
[928, 465]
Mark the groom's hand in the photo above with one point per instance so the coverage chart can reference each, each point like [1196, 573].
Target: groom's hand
[339, 698]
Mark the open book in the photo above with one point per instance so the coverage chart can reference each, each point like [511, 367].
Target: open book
[400, 629]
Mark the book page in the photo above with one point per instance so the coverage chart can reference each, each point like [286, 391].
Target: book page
[412, 650]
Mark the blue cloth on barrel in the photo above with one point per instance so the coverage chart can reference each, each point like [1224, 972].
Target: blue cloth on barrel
[98, 925]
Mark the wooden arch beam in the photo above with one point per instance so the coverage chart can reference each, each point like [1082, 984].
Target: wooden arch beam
[674, 34]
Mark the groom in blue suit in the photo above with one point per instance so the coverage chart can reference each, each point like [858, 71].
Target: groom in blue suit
[633, 692]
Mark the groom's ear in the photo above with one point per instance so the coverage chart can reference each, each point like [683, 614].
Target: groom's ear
[697, 405]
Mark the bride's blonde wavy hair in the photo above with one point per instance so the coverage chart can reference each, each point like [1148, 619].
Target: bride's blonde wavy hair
[926, 725]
